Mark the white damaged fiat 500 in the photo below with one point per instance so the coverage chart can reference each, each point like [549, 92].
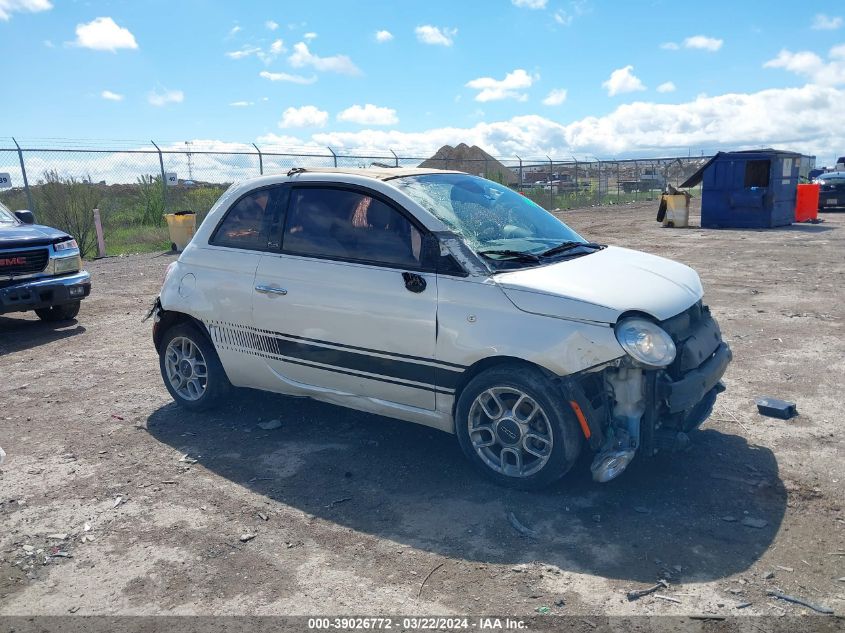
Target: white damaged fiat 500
[447, 300]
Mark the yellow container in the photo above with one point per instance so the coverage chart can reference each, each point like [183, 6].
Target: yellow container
[181, 227]
[677, 211]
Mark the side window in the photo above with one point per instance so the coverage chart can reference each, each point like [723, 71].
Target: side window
[247, 221]
[328, 222]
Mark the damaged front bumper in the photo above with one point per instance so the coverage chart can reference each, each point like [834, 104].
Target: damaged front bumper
[625, 408]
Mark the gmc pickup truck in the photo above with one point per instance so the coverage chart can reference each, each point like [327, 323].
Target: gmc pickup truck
[40, 269]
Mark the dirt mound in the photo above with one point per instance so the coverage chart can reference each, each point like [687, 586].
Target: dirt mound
[472, 160]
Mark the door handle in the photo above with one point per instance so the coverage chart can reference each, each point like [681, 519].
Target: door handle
[270, 290]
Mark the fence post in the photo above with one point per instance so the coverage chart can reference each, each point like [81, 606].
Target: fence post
[25, 181]
[334, 156]
[98, 227]
[520, 173]
[395, 157]
[260, 160]
[618, 175]
[600, 195]
[551, 188]
[636, 181]
[163, 178]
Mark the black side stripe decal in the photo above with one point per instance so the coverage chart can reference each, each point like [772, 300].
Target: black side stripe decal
[357, 375]
[356, 361]
[366, 349]
[300, 352]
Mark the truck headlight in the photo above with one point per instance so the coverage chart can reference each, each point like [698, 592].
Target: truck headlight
[67, 264]
[645, 342]
[66, 245]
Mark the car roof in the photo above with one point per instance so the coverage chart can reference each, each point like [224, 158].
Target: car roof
[832, 174]
[377, 173]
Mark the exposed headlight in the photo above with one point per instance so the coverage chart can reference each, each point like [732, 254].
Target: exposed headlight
[67, 264]
[66, 245]
[645, 342]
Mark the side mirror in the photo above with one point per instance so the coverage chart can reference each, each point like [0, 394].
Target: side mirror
[25, 216]
[432, 257]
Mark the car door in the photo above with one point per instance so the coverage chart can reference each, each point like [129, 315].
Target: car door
[347, 305]
[224, 274]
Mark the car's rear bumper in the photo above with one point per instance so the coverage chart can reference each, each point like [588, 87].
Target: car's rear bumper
[33, 294]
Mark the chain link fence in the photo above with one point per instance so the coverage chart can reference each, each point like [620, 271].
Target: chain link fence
[133, 187]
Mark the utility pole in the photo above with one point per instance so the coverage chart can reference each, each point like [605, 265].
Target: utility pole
[190, 160]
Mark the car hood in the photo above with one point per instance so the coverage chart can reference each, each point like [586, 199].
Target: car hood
[29, 235]
[603, 285]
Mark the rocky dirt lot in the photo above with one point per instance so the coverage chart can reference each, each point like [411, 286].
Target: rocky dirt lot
[113, 501]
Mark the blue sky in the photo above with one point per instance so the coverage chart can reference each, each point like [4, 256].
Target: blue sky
[304, 73]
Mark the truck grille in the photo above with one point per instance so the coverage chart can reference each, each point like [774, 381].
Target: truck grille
[23, 262]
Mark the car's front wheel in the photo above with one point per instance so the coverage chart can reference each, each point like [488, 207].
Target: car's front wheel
[64, 312]
[191, 369]
[515, 426]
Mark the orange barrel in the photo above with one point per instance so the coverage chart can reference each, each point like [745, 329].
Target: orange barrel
[807, 203]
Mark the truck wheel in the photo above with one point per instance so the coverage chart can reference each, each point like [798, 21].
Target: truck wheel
[191, 369]
[64, 312]
[516, 428]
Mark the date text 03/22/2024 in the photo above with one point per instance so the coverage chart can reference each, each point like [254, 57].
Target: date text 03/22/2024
[417, 623]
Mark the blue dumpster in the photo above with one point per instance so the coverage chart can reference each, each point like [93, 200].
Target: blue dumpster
[748, 189]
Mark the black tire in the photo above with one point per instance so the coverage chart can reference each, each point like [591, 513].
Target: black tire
[566, 433]
[216, 384]
[64, 312]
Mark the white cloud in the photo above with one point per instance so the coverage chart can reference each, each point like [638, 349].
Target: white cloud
[241, 104]
[810, 65]
[383, 36]
[667, 86]
[369, 114]
[294, 79]
[8, 7]
[306, 116]
[311, 35]
[563, 18]
[795, 118]
[555, 97]
[165, 97]
[302, 57]
[703, 43]
[622, 80]
[670, 46]
[271, 24]
[234, 30]
[108, 95]
[508, 88]
[49, 44]
[530, 4]
[824, 22]
[103, 34]
[277, 47]
[436, 36]
[242, 53]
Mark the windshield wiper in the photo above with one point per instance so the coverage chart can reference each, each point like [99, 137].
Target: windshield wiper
[568, 246]
[509, 255]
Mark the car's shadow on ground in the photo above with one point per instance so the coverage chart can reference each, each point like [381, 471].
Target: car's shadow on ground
[667, 517]
[17, 334]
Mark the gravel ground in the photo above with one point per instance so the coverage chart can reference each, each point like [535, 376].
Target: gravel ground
[113, 501]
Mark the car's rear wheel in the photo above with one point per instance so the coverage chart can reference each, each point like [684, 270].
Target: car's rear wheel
[515, 426]
[64, 312]
[191, 369]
